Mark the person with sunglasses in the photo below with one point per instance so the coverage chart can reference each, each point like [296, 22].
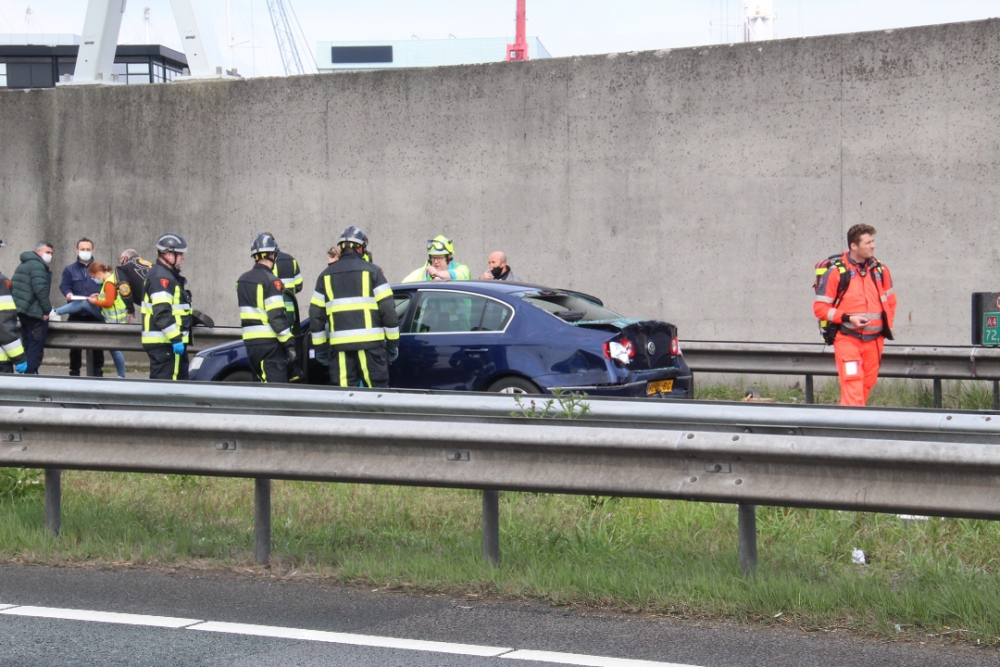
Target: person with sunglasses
[440, 265]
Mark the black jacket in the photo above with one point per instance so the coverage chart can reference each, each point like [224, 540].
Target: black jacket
[352, 307]
[262, 308]
[166, 308]
[131, 277]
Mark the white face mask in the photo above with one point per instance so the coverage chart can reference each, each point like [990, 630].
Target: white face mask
[47, 257]
[85, 255]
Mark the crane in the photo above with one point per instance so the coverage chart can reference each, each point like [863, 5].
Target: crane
[287, 47]
[519, 49]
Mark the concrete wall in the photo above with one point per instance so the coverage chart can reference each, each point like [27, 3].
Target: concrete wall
[697, 185]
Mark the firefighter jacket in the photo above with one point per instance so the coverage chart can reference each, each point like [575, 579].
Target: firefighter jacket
[11, 349]
[352, 307]
[286, 268]
[457, 271]
[262, 307]
[166, 308]
[869, 293]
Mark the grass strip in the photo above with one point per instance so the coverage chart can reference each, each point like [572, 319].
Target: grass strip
[668, 557]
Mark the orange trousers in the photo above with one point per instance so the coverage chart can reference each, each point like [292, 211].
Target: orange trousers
[857, 367]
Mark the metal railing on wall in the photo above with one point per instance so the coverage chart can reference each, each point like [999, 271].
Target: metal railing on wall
[924, 362]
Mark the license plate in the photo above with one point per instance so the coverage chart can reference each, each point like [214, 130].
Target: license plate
[661, 387]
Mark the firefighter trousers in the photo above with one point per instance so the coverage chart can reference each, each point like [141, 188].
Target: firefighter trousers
[359, 368]
[857, 367]
[268, 363]
[165, 365]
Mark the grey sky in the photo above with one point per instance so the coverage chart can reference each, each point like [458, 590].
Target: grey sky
[566, 27]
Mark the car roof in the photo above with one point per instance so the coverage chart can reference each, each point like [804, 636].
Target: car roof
[490, 287]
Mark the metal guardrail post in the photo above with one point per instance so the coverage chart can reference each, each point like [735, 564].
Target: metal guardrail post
[53, 500]
[92, 370]
[747, 549]
[996, 394]
[491, 527]
[810, 393]
[938, 398]
[262, 519]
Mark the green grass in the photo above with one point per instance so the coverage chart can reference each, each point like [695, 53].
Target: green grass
[956, 395]
[667, 557]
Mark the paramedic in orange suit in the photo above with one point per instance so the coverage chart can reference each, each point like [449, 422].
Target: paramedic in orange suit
[865, 313]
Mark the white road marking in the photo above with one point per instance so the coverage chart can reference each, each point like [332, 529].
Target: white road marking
[585, 660]
[346, 638]
[101, 617]
[330, 637]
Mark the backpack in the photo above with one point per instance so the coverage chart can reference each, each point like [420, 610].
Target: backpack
[828, 330]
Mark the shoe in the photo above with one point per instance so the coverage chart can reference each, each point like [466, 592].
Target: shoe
[54, 317]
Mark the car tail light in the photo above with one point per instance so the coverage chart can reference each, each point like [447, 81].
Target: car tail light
[621, 351]
[675, 346]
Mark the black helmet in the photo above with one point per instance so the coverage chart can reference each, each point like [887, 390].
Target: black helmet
[264, 243]
[171, 242]
[353, 235]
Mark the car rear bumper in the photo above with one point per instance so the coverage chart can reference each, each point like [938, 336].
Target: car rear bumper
[683, 388]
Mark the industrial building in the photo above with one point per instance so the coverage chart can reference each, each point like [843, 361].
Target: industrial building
[38, 61]
[339, 56]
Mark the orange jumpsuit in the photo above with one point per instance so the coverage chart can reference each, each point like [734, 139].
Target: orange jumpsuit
[858, 350]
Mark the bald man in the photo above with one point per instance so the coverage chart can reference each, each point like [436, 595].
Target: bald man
[498, 269]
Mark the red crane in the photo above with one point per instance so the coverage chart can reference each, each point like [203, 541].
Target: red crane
[519, 49]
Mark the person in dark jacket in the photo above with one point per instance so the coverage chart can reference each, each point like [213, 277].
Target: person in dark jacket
[131, 274]
[352, 316]
[266, 335]
[12, 355]
[30, 287]
[77, 282]
[286, 269]
[166, 311]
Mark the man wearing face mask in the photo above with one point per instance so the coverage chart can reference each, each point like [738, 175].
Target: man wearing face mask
[498, 269]
[77, 282]
[30, 287]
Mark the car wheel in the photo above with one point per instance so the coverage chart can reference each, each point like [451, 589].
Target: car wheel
[239, 376]
[514, 386]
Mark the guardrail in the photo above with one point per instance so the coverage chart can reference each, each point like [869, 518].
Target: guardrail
[898, 465]
[926, 362]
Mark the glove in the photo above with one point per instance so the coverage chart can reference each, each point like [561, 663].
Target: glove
[178, 348]
[290, 355]
[393, 354]
[323, 355]
[21, 367]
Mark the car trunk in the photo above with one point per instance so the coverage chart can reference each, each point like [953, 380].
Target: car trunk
[651, 341]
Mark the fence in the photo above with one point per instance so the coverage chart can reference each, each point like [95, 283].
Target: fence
[916, 461]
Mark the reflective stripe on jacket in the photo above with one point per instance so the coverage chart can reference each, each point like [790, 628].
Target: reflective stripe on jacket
[166, 308]
[262, 306]
[10, 342]
[870, 295]
[457, 271]
[352, 307]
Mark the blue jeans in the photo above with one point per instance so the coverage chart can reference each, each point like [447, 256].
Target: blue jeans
[33, 333]
[119, 360]
[79, 308]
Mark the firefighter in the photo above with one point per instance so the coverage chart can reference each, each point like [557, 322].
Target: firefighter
[865, 310]
[12, 357]
[352, 317]
[440, 265]
[166, 312]
[286, 269]
[263, 315]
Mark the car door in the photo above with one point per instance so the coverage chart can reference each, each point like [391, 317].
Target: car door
[450, 341]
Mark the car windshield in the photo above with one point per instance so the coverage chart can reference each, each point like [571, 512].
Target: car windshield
[570, 307]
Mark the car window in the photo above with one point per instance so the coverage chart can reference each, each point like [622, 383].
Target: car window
[496, 316]
[444, 312]
[402, 303]
[570, 307]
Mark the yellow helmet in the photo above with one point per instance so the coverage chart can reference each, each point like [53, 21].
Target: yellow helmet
[440, 245]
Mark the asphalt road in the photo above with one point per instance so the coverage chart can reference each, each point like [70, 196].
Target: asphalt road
[303, 614]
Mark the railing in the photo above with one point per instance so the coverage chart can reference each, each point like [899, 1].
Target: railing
[925, 362]
[916, 462]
